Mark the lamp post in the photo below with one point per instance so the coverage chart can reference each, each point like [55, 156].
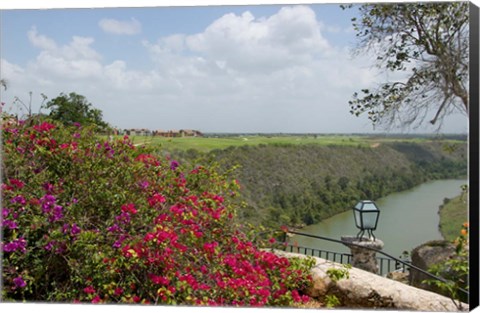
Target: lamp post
[366, 215]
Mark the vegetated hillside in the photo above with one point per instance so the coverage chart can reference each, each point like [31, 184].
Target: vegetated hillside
[297, 185]
[453, 214]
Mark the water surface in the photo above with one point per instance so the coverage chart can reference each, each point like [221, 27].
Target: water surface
[407, 219]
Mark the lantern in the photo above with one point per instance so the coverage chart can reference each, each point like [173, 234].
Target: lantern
[366, 215]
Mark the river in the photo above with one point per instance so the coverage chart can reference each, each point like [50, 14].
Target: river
[407, 219]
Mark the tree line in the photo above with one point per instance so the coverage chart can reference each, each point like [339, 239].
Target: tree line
[302, 185]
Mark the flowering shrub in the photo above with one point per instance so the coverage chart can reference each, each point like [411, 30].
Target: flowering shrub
[91, 220]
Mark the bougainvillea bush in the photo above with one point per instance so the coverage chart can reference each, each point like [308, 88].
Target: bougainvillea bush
[94, 220]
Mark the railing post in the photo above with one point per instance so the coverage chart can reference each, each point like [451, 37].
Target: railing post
[363, 258]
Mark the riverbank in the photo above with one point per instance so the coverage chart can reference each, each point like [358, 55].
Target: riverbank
[453, 213]
[407, 219]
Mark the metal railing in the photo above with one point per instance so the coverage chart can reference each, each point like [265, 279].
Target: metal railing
[386, 265]
[399, 264]
[338, 257]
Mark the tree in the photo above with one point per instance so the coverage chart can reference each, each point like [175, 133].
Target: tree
[429, 43]
[74, 108]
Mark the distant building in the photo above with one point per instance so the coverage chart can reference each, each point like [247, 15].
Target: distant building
[190, 133]
[177, 133]
[162, 133]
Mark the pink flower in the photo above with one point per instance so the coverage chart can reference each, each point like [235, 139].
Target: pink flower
[210, 247]
[96, 299]
[149, 237]
[296, 297]
[216, 215]
[89, 290]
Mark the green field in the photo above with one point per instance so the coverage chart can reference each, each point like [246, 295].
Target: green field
[452, 215]
[206, 144]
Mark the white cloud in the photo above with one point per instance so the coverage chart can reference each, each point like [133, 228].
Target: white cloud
[77, 59]
[40, 41]
[117, 27]
[244, 43]
[241, 73]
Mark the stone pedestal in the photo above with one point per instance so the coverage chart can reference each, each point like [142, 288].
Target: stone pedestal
[362, 257]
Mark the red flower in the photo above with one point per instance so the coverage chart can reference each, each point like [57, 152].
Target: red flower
[159, 280]
[155, 199]
[296, 297]
[130, 208]
[16, 183]
[118, 291]
[44, 127]
[89, 289]
[96, 299]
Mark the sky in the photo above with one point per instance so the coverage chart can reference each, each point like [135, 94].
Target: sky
[259, 68]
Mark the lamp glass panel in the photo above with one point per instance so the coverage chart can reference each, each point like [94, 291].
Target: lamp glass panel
[357, 216]
[369, 206]
[370, 220]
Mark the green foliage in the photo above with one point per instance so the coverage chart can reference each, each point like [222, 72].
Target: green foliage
[452, 213]
[92, 220]
[74, 108]
[335, 274]
[332, 301]
[297, 185]
[455, 270]
[426, 42]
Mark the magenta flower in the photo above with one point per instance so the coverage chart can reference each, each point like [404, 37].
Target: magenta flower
[10, 224]
[19, 282]
[173, 165]
[5, 212]
[49, 245]
[75, 229]
[19, 199]
[123, 218]
[50, 208]
[48, 187]
[143, 184]
[114, 228]
[17, 244]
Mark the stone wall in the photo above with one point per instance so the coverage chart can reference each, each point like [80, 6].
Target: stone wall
[366, 290]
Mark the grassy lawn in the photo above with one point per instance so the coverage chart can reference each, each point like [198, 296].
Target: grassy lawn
[205, 144]
[210, 143]
[452, 216]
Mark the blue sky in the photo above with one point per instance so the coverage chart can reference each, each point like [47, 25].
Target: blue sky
[230, 68]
